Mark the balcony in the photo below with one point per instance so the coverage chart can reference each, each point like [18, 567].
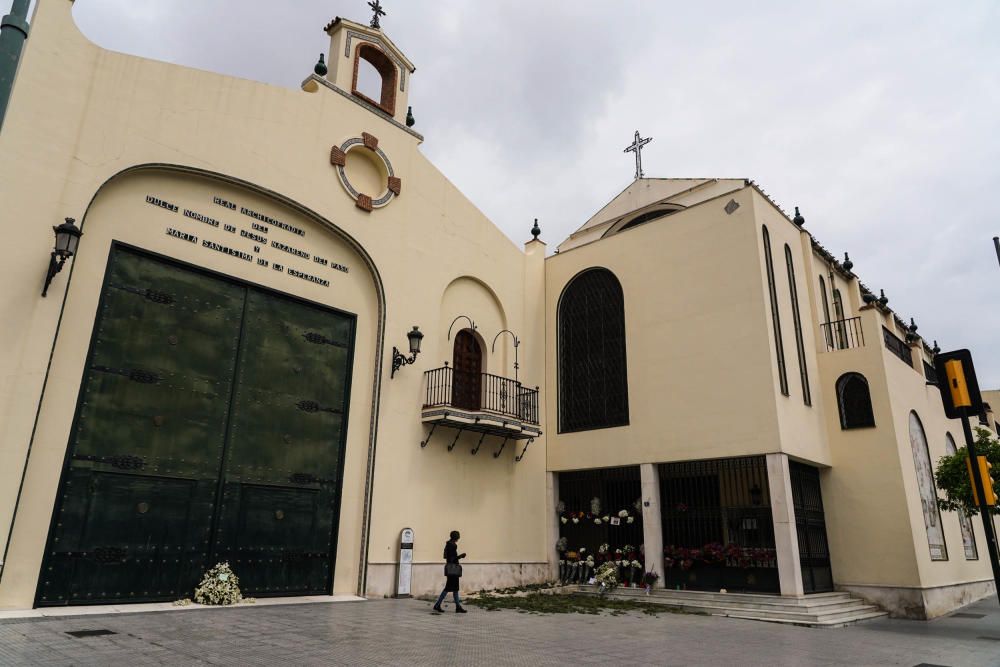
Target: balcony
[843, 334]
[898, 347]
[480, 402]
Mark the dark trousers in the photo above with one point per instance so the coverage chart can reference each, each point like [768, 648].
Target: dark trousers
[444, 593]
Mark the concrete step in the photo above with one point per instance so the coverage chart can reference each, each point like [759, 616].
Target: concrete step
[822, 610]
[819, 601]
[824, 623]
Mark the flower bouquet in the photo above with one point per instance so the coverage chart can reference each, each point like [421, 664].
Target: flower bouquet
[649, 580]
[607, 578]
[219, 586]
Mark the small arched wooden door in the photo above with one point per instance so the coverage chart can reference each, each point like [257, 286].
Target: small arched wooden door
[466, 388]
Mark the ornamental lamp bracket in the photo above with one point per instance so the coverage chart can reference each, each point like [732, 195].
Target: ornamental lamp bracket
[414, 337]
[67, 240]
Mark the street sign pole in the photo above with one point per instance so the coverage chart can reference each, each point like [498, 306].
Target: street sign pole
[984, 509]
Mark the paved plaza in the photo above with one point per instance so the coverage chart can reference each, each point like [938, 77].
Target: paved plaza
[387, 632]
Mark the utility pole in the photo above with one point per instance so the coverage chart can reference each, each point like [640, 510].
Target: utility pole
[13, 32]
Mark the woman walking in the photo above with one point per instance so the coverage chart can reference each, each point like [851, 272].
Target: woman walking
[452, 572]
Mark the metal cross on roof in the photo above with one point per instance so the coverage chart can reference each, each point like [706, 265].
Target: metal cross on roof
[377, 8]
[636, 148]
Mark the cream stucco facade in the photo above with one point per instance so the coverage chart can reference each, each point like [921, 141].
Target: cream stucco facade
[311, 194]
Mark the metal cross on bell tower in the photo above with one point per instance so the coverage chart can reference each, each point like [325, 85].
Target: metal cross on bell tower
[377, 8]
[636, 148]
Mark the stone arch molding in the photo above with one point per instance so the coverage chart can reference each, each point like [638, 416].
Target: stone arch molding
[322, 223]
[469, 296]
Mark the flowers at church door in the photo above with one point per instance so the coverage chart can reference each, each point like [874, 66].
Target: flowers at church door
[606, 578]
[219, 586]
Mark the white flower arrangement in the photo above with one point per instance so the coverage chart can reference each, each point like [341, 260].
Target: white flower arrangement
[590, 561]
[563, 519]
[595, 506]
[603, 549]
[630, 519]
[219, 586]
[583, 550]
[636, 563]
[562, 562]
[606, 518]
[561, 544]
[597, 521]
[607, 577]
[623, 514]
[576, 520]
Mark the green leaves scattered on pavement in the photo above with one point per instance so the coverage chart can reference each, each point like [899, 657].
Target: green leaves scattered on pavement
[542, 603]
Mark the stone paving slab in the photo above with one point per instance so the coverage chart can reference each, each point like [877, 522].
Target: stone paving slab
[405, 632]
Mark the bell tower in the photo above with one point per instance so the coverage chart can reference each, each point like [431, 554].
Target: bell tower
[355, 47]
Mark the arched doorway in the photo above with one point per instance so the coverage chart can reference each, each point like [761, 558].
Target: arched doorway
[466, 388]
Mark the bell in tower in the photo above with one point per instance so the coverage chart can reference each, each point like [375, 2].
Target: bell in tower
[364, 64]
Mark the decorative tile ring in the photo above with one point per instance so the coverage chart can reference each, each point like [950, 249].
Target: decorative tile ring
[365, 201]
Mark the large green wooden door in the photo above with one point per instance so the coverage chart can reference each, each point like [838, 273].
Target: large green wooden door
[210, 427]
[281, 476]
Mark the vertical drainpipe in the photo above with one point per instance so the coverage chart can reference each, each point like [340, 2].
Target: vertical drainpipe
[13, 32]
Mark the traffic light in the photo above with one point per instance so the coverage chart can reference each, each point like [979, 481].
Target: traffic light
[983, 467]
[958, 384]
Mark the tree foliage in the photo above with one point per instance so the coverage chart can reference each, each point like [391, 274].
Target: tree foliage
[952, 475]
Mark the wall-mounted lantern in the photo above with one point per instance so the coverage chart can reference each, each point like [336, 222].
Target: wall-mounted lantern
[398, 360]
[67, 239]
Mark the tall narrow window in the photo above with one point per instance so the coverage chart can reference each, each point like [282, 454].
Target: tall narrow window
[826, 314]
[968, 536]
[800, 347]
[593, 383]
[925, 487]
[854, 401]
[779, 348]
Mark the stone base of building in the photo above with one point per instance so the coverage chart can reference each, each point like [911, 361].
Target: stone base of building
[921, 603]
[428, 578]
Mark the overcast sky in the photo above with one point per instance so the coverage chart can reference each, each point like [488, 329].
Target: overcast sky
[879, 119]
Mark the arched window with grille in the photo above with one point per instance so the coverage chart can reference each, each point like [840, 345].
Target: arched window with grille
[855, 401]
[826, 314]
[593, 382]
[779, 347]
[800, 349]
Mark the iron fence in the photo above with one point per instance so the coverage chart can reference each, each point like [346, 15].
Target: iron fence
[843, 334]
[497, 394]
[898, 347]
[717, 501]
[600, 506]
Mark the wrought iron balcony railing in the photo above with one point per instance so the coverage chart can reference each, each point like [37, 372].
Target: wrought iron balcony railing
[898, 347]
[481, 392]
[843, 334]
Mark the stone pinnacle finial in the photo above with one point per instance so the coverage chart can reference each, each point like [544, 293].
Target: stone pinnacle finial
[320, 67]
[798, 219]
[536, 230]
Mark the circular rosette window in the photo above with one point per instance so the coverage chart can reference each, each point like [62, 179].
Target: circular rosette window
[365, 172]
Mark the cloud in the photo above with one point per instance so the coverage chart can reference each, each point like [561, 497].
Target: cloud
[879, 119]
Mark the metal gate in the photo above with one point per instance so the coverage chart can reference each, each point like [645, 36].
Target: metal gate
[210, 427]
[810, 524]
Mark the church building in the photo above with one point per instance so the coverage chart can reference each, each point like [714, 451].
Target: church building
[255, 325]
